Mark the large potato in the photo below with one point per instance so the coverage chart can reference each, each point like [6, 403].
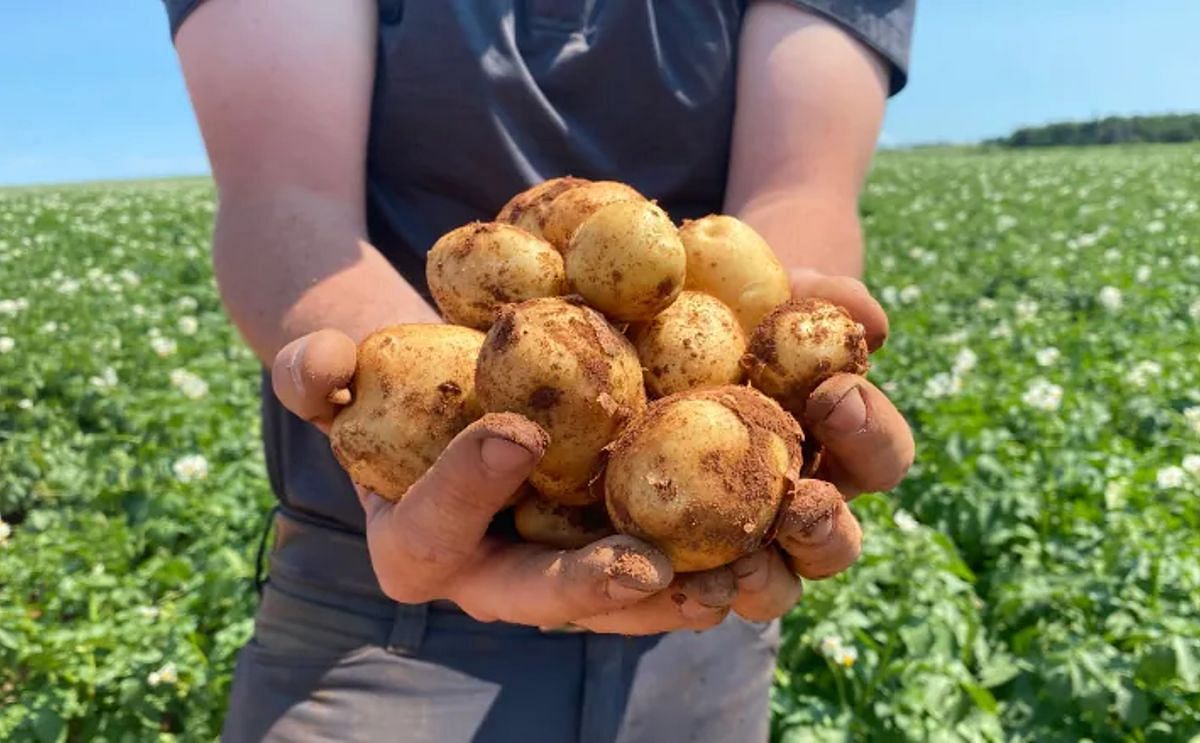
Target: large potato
[562, 366]
[568, 209]
[529, 209]
[626, 260]
[555, 525]
[413, 391]
[729, 260]
[702, 475]
[799, 345]
[696, 342]
[475, 269]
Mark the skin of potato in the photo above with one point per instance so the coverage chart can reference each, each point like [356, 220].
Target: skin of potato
[627, 261]
[696, 342]
[799, 345]
[563, 527]
[564, 367]
[729, 260]
[413, 391]
[702, 475]
[570, 208]
[474, 270]
[530, 208]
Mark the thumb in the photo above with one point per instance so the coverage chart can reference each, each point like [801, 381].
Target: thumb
[439, 522]
[307, 371]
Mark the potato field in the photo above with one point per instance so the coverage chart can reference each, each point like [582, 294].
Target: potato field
[1036, 578]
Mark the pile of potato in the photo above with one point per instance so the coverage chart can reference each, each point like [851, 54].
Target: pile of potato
[630, 341]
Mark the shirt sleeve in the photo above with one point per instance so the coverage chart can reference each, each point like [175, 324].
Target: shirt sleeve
[883, 25]
[178, 11]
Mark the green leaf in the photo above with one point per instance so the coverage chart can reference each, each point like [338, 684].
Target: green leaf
[49, 726]
[983, 698]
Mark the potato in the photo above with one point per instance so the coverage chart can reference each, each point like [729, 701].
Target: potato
[413, 391]
[562, 366]
[703, 474]
[529, 208]
[475, 269]
[626, 260]
[696, 342]
[729, 260]
[799, 345]
[565, 527]
[568, 209]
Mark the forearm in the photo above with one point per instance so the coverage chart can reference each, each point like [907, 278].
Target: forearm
[290, 262]
[810, 105]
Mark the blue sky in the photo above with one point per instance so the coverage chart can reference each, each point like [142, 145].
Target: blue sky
[87, 94]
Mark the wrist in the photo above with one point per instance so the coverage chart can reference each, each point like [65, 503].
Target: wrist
[818, 232]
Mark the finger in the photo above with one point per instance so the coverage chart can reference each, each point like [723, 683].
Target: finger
[535, 585]
[437, 525]
[309, 369]
[860, 429]
[846, 292]
[766, 588]
[824, 548]
[696, 601]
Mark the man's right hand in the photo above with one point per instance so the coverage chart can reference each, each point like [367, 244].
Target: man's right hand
[433, 543]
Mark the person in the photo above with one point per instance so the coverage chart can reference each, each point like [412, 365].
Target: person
[344, 138]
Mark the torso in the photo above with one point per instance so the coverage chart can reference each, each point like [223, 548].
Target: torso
[475, 101]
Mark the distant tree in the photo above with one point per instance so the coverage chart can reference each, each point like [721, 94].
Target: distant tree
[1109, 130]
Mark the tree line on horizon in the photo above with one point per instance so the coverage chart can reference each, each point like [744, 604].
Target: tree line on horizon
[1108, 130]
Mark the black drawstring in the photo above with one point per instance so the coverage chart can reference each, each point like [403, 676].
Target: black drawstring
[260, 576]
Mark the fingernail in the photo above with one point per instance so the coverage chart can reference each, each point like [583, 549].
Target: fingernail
[848, 415]
[696, 610]
[618, 591]
[294, 367]
[749, 571]
[503, 456]
[817, 534]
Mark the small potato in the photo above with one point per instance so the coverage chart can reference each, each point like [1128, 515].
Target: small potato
[702, 475]
[626, 260]
[413, 391]
[528, 209]
[729, 260]
[696, 342]
[799, 345]
[564, 527]
[563, 367]
[475, 269]
[568, 210]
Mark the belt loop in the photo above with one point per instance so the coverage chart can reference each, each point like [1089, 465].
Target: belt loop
[408, 629]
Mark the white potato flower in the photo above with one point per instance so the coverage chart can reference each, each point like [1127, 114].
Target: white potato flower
[1110, 298]
[1043, 395]
[190, 468]
[1047, 356]
[1170, 477]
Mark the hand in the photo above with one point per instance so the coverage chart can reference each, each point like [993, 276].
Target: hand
[867, 447]
[433, 544]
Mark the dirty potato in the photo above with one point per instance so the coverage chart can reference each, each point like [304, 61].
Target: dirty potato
[696, 342]
[799, 345]
[729, 260]
[564, 367]
[475, 269]
[413, 391]
[568, 209]
[626, 260]
[530, 208]
[564, 527]
[702, 475]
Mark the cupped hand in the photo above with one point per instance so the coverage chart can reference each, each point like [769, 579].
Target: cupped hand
[433, 543]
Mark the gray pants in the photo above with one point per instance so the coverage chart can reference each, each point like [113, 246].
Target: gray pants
[332, 659]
